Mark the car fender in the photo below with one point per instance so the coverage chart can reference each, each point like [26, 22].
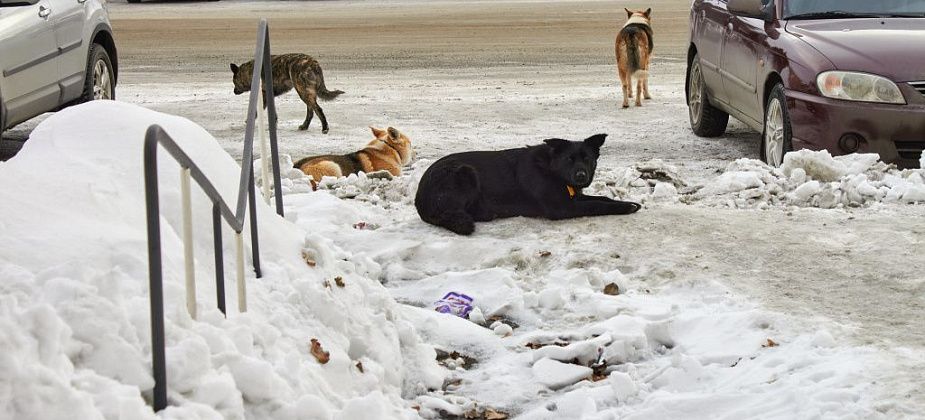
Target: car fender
[104, 28]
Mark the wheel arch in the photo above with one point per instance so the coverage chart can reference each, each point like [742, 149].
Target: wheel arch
[103, 35]
[691, 53]
[772, 79]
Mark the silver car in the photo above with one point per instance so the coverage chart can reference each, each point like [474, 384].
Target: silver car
[53, 53]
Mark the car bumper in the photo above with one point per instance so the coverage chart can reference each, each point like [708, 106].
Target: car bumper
[895, 132]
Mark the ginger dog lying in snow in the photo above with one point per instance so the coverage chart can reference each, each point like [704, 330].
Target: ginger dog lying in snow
[534, 181]
[388, 151]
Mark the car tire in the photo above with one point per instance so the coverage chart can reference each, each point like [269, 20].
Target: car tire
[706, 120]
[100, 80]
[776, 136]
[134, 1]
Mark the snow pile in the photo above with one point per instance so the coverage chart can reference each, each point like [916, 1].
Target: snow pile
[806, 179]
[559, 332]
[74, 317]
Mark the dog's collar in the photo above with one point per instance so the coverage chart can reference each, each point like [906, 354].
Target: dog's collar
[572, 191]
[635, 19]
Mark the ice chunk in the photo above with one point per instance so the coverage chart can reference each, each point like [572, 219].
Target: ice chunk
[556, 375]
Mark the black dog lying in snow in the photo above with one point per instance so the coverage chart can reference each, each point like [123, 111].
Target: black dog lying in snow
[534, 181]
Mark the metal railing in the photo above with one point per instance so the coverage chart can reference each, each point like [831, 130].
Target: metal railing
[220, 210]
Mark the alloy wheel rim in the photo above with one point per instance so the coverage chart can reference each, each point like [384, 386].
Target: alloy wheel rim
[695, 94]
[774, 133]
[102, 86]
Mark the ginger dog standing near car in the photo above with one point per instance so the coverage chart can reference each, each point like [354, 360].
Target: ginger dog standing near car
[633, 50]
[388, 151]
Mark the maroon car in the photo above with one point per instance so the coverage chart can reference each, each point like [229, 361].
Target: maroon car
[841, 75]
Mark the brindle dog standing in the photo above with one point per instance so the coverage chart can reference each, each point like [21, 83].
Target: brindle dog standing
[291, 70]
[634, 50]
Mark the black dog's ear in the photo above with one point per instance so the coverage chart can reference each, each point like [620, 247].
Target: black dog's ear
[596, 141]
[557, 144]
[234, 68]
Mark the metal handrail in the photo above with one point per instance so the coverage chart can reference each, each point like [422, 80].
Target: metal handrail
[155, 136]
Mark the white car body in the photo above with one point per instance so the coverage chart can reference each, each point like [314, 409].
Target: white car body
[44, 54]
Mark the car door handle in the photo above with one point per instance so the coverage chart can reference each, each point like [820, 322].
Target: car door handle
[44, 12]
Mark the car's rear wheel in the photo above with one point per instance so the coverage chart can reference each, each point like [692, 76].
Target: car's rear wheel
[706, 120]
[134, 1]
[776, 138]
[100, 82]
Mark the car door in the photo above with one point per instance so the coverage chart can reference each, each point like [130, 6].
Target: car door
[710, 34]
[70, 18]
[739, 68]
[28, 60]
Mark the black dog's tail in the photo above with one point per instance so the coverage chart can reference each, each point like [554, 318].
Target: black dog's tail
[322, 90]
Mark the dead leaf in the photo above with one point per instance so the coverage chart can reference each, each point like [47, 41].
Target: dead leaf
[770, 344]
[545, 254]
[308, 258]
[360, 367]
[491, 414]
[612, 289]
[556, 343]
[319, 353]
[327, 284]
[339, 281]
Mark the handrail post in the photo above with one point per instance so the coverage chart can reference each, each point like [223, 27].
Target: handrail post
[219, 261]
[155, 272]
[255, 243]
[272, 120]
[239, 256]
[186, 209]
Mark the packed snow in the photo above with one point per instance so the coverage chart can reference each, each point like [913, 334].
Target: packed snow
[555, 332]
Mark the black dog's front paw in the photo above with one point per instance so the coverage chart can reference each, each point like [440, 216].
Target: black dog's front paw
[629, 207]
[324, 131]
[303, 127]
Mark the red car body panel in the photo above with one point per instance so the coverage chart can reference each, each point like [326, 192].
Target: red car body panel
[743, 58]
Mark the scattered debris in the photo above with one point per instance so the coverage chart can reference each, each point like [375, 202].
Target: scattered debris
[359, 366]
[319, 353]
[454, 359]
[327, 284]
[494, 318]
[545, 254]
[361, 225]
[308, 257]
[454, 303]
[557, 343]
[612, 289]
[770, 343]
[339, 281]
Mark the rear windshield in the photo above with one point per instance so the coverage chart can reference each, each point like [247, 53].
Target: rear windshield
[861, 7]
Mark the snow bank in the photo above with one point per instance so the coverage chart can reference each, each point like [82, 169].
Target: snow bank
[74, 322]
[806, 179]
[571, 351]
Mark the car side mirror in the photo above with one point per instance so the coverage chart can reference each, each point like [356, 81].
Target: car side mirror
[14, 3]
[758, 9]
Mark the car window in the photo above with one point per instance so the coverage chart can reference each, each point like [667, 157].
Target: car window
[863, 7]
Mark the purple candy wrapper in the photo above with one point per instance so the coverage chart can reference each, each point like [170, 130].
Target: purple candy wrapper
[454, 303]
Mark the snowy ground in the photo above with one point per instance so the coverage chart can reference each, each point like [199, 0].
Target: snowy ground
[731, 255]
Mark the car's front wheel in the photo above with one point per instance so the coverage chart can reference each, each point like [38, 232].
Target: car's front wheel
[706, 120]
[775, 140]
[100, 82]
